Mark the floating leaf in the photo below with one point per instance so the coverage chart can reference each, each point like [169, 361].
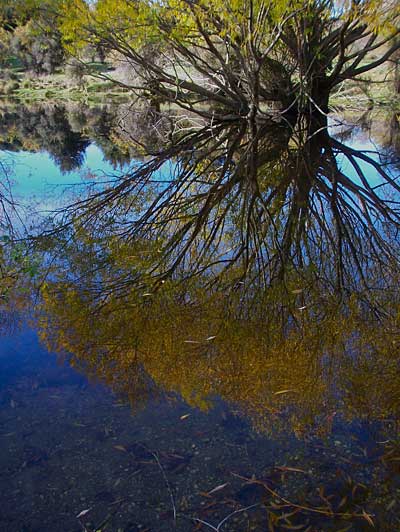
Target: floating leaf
[120, 448]
[283, 391]
[217, 488]
[287, 468]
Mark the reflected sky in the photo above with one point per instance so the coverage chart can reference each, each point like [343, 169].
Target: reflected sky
[35, 173]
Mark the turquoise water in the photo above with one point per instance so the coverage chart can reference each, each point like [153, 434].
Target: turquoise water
[36, 177]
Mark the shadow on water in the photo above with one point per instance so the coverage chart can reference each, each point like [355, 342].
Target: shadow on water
[227, 343]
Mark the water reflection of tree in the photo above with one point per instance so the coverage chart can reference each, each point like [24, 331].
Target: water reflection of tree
[283, 372]
[63, 132]
[246, 271]
[391, 142]
[14, 255]
[253, 207]
[249, 272]
[44, 128]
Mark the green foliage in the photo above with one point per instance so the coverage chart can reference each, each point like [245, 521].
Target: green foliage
[38, 49]
[30, 32]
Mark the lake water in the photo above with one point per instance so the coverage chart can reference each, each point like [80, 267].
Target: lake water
[187, 442]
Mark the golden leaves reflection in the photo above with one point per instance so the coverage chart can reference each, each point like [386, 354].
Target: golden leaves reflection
[299, 368]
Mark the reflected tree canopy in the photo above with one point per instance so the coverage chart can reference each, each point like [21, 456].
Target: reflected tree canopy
[254, 272]
[43, 128]
[230, 261]
[235, 205]
[240, 264]
[66, 131]
[281, 370]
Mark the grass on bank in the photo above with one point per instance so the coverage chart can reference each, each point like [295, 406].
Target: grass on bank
[20, 84]
[15, 82]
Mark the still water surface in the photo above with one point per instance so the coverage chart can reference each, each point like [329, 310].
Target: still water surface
[193, 443]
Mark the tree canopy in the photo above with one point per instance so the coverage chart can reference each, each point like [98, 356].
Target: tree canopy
[239, 54]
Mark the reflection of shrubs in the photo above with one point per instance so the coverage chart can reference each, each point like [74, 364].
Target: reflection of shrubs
[45, 128]
[77, 119]
[66, 132]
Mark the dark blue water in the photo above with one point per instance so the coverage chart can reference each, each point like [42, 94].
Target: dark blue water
[71, 446]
